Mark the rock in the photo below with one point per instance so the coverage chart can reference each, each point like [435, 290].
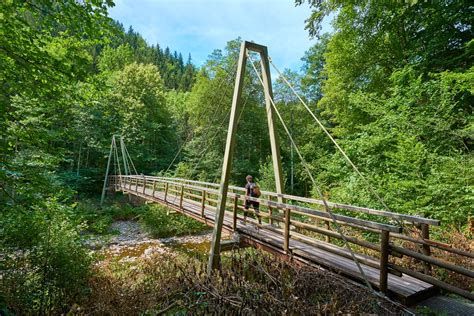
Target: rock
[149, 251]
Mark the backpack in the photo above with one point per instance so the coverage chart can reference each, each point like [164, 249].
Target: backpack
[256, 191]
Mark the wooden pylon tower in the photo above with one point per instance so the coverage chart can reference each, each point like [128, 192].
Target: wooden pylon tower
[245, 48]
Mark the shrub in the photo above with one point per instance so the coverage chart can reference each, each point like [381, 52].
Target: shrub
[158, 223]
[45, 266]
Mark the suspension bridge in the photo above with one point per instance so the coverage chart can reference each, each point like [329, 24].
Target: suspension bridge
[397, 259]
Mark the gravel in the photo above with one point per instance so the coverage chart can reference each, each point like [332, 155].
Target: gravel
[131, 242]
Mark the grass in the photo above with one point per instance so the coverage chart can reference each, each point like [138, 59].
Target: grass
[159, 224]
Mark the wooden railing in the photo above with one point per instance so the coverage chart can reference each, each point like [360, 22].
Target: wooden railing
[304, 219]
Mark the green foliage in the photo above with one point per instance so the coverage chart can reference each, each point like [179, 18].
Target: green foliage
[393, 83]
[159, 224]
[115, 59]
[45, 266]
[266, 180]
[138, 99]
[99, 218]
[207, 108]
[402, 114]
[176, 74]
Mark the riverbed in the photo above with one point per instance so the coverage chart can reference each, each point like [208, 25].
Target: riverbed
[128, 243]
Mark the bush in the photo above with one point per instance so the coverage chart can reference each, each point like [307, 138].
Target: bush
[99, 219]
[45, 267]
[158, 223]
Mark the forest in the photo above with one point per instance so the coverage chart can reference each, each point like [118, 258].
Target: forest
[393, 83]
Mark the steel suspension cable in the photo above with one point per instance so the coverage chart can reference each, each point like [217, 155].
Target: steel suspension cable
[201, 156]
[326, 206]
[238, 120]
[118, 161]
[217, 131]
[366, 181]
[372, 190]
[306, 166]
[129, 157]
[188, 138]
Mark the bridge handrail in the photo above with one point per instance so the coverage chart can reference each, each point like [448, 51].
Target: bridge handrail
[299, 209]
[182, 190]
[366, 210]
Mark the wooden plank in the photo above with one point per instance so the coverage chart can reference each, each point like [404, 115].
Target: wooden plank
[439, 263]
[234, 215]
[438, 283]
[203, 202]
[405, 286]
[325, 215]
[436, 244]
[286, 231]
[409, 218]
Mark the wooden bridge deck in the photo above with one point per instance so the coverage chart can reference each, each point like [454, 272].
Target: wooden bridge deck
[405, 288]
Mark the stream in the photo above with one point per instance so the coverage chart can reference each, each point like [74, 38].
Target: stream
[131, 243]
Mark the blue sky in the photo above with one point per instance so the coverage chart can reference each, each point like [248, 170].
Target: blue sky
[200, 26]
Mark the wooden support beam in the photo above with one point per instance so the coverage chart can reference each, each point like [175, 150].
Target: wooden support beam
[286, 231]
[214, 257]
[181, 197]
[384, 253]
[425, 234]
[271, 118]
[166, 191]
[107, 171]
[234, 215]
[230, 143]
[328, 227]
[203, 202]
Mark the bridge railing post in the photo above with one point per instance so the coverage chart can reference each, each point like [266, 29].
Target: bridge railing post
[136, 184]
[425, 234]
[181, 197]
[328, 227]
[234, 217]
[384, 253]
[286, 231]
[270, 212]
[166, 191]
[203, 202]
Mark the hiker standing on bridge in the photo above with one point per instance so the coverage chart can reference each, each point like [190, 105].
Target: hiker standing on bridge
[252, 190]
